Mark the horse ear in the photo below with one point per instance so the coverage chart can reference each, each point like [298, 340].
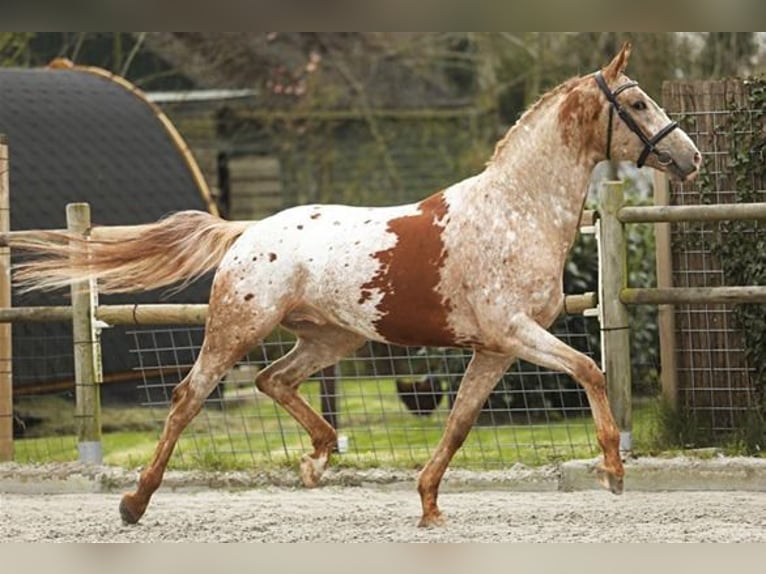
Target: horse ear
[618, 64]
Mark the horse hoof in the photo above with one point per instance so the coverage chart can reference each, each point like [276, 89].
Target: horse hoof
[610, 480]
[432, 520]
[128, 515]
[616, 484]
[311, 470]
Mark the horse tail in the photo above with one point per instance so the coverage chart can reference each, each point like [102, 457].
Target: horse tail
[175, 250]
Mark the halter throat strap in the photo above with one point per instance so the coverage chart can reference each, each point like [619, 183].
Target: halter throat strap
[650, 144]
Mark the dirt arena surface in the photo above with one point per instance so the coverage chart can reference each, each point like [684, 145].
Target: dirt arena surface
[375, 514]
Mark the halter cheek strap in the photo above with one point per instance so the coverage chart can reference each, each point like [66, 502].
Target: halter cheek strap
[650, 144]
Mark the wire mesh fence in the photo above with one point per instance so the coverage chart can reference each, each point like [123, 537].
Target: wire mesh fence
[43, 413]
[715, 377]
[388, 404]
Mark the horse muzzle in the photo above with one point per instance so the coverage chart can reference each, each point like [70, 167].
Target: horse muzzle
[683, 169]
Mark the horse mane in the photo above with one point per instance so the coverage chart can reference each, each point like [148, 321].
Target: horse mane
[541, 102]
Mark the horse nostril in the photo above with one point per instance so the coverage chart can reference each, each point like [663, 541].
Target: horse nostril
[697, 159]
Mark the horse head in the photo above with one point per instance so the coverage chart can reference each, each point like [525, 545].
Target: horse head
[636, 128]
[606, 115]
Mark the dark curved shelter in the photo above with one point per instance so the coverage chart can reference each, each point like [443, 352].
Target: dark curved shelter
[82, 134]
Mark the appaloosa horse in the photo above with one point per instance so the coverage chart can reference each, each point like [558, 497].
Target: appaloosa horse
[478, 265]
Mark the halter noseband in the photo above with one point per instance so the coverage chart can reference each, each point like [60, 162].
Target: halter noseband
[650, 144]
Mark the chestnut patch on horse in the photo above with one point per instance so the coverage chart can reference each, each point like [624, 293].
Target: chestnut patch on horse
[272, 257]
[412, 310]
[578, 114]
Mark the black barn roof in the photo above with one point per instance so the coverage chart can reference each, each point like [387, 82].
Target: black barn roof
[82, 134]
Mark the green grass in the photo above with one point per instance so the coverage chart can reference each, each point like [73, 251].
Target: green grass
[253, 433]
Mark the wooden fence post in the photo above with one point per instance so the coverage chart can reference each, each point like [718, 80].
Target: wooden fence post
[615, 324]
[87, 353]
[666, 314]
[6, 378]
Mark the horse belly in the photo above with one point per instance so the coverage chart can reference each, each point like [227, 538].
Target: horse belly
[400, 312]
[418, 323]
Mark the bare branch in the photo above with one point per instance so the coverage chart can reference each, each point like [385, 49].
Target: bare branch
[133, 52]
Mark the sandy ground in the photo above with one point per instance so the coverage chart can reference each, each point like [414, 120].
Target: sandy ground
[375, 514]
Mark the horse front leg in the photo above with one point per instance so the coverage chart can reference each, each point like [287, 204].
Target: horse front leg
[481, 376]
[535, 344]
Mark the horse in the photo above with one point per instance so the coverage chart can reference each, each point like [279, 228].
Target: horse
[478, 265]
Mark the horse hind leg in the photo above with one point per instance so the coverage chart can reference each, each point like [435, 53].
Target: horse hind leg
[317, 347]
[187, 400]
[227, 339]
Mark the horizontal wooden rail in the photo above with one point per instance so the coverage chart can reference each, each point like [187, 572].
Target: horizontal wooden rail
[144, 314]
[677, 213]
[153, 314]
[35, 314]
[7, 237]
[181, 314]
[690, 295]
[578, 304]
[100, 233]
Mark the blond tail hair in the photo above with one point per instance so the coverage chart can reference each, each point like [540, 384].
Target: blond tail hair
[175, 250]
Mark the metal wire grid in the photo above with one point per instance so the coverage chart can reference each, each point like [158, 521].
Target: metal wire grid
[712, 370]
[534, 416]
[35, 439]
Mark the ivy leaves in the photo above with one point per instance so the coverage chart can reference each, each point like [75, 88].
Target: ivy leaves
[741, 245]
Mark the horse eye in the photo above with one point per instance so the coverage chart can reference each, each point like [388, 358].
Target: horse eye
[639, 105]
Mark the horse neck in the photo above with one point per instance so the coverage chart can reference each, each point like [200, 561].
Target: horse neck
[534, 169]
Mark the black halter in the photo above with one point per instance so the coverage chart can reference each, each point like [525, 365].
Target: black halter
[650, 144]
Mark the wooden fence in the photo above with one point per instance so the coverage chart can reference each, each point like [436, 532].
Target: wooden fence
[616, 295]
